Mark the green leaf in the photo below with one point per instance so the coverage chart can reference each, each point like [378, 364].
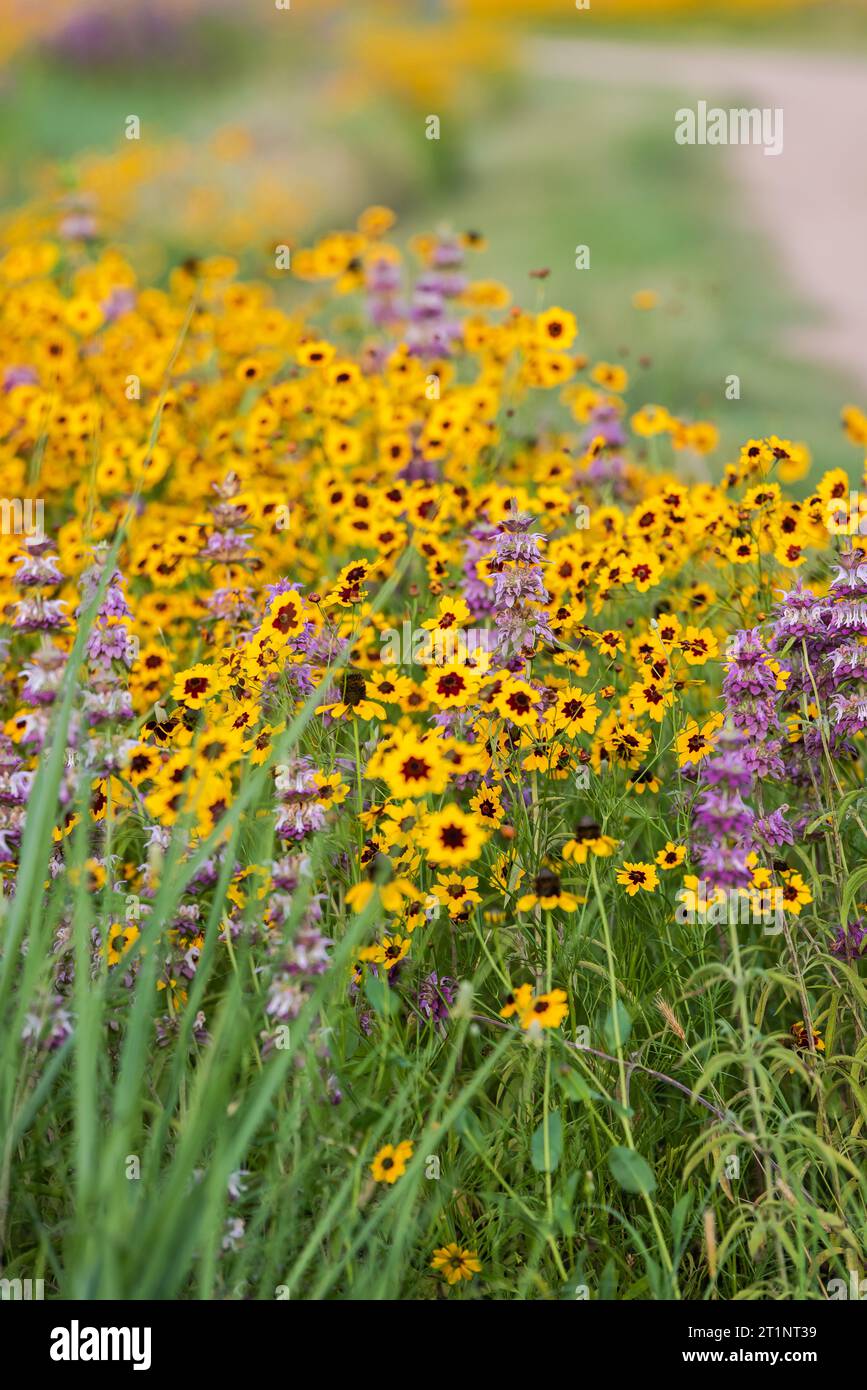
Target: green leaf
[608, 1282]
[555, 1144]
[379, 995]
[841, 810]
[621, 1023]
[624, 1112]
[576, 1088]
[563, 1207]
[631, 1171]
[854, 884]
[678, 1218]
[469, 1126]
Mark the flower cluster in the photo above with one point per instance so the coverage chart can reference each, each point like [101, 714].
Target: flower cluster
[232, 542]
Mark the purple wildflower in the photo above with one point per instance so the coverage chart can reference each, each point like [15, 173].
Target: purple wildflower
[851, 941]
[436, 996]
[518, 588]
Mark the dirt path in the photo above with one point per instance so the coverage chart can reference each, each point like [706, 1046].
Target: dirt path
[811, 200]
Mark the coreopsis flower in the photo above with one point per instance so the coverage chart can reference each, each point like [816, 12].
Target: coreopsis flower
[389, 952]
[517, 1001]
[643, 569]
[353, 703]
[545, 1010]
[667, 628]
[455, 1263]
[332, 790]
[391, 891]
[651, 420]
[587, 838]
[488, 805]
[548, 893]
[619, 742]
[413, 766]
[651, 696]
[388, 688]
[390, 1162]
[284, 619]
[451, 686]
[457, 893]
[121, 939]
[637, 877]
[350, 586]
[672, 856]
[802, 1040]
[286, 458]
[609, 642]
[518, 702]
[574, 712]
[795, 892]
[452, 614]
[698, 645]
[642, 780]
[697, 895]
[452, 838]
[556, 328]
[741, 550]
[198, 684]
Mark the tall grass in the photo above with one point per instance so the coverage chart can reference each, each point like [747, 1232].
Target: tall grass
[600, 1170]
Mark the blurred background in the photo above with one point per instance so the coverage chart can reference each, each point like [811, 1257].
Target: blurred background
[268, 123]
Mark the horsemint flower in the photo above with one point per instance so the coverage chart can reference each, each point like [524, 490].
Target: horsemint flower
[519, 593]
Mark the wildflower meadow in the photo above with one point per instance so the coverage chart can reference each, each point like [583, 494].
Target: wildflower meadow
[432, 806]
